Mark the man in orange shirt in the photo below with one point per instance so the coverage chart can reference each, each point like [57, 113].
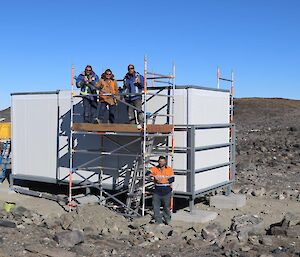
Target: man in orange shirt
[163, 177]
[107, 85]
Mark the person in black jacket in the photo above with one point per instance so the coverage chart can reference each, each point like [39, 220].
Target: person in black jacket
[133, 86]
[86, 81]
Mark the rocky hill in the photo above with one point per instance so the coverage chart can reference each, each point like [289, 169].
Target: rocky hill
[5, 114]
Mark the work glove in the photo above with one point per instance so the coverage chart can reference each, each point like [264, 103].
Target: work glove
[171, 180]
[137, 80]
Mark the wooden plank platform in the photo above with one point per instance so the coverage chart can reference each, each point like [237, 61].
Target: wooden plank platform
[131, 128]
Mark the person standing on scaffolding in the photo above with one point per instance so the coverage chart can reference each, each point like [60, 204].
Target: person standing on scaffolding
[133, 86]
[86, 81]
[163, 177]
[107, 85]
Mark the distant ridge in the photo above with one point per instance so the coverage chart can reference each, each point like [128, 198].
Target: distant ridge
[248, 110]
[5, 114]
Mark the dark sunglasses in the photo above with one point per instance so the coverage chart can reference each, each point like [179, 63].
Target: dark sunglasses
[131, 68]
[88, 70]
[107, 73]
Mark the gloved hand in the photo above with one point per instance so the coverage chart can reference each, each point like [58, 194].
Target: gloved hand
[137, 80]
[171, 180]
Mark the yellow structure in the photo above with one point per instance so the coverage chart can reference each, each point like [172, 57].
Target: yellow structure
[5, 130]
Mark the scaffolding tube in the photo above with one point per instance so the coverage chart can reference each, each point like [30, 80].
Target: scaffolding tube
[231, 114]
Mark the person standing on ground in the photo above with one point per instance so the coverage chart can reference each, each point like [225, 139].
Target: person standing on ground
[133, 86]
[163, 177]
[107, 85]
[86, 81]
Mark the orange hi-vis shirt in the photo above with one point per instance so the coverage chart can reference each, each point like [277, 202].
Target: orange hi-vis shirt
[108, 87]
[162, 175]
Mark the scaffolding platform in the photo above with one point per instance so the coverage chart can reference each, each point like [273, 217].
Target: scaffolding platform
[126, 128]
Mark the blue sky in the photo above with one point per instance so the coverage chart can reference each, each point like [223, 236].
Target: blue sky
[260, 40]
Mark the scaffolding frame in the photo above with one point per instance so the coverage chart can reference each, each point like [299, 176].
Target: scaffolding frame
[232, 171]
[5, 159]
[191, 149]
[144, 136]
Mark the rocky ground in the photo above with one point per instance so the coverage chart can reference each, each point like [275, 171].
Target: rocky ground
[268, 150]
[268, 147]
[94, 230]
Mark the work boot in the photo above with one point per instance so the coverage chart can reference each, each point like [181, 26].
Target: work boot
[167, 221]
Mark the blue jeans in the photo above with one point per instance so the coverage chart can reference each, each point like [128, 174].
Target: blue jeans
[101, 109]
[164, 200]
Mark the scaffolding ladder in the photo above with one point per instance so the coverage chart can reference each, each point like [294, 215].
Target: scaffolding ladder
[135, 190]
[5, 159]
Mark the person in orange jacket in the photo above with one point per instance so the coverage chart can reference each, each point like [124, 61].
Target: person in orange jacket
[163, 177]
[107, 85]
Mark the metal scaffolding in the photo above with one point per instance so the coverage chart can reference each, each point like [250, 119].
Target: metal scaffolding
[154, 139]
[138, 148]
[192, 149]
[232, 127]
